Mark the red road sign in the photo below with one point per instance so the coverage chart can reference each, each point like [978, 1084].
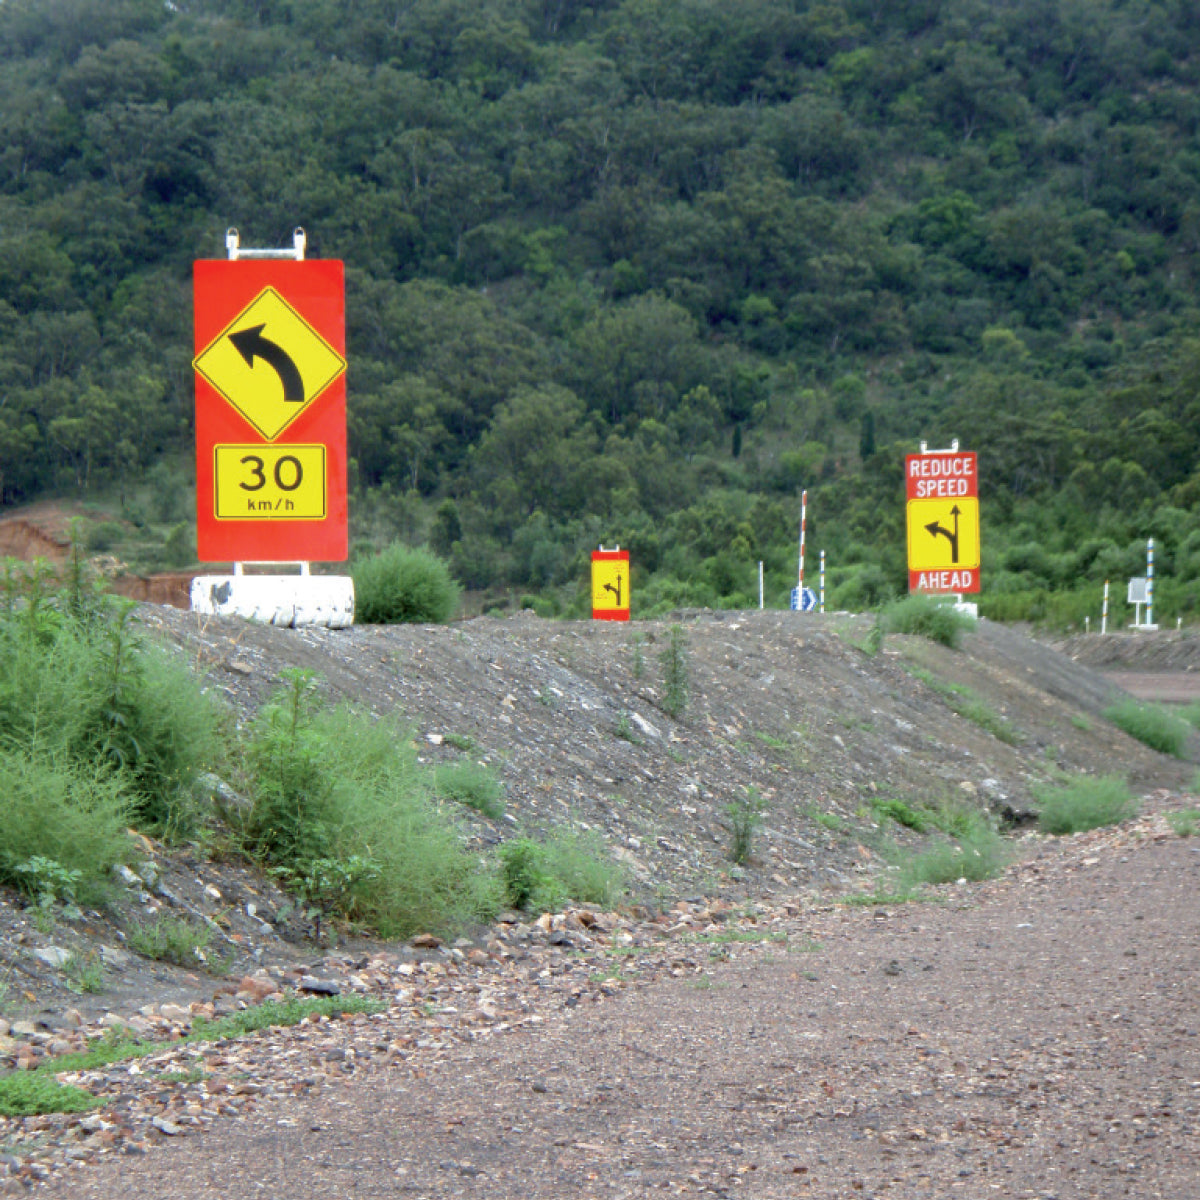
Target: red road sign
[270, 410]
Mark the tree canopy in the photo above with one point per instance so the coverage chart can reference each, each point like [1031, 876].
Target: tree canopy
[637, 270]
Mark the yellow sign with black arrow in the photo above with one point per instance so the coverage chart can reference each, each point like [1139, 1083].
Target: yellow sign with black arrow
[269, 363]
[943, 535]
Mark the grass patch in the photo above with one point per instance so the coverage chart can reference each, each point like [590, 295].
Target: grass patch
[828, 820]
[876, 899]
[31, 1094]
[967, 705]
[1184, 823]
[1085, 803]
[728, 936]
[1151, 724]
[472, 784]
[172, 939]
[900, 812]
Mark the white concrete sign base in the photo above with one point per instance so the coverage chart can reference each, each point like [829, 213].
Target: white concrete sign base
[288, 600]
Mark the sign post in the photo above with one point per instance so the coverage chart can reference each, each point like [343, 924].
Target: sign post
[271, 431]
[943, 520]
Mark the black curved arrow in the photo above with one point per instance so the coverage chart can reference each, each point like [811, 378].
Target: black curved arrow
[952, 538]
[251, 344]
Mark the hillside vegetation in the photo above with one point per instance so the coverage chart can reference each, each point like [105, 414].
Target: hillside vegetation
[634, 272]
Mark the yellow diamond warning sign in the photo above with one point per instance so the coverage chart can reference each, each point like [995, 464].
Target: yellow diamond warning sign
[269, 363]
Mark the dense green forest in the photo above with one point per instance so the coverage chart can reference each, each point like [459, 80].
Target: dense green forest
[636, 272]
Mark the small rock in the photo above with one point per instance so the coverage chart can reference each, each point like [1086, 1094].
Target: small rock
[122, 873]
[427, 941]
[319, 987]
[114, 957]
[165, 1126]
[175, 1012]
[53, 956]
[257, 987]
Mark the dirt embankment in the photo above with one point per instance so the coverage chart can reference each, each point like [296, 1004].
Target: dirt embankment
[570, 716]
[1162, 665]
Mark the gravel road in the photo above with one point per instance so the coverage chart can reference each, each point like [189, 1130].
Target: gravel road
[1037, 1036]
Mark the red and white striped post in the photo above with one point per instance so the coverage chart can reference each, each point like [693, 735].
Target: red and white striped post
[803, 522]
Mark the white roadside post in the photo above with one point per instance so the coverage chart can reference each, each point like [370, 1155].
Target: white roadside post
[1150, 585]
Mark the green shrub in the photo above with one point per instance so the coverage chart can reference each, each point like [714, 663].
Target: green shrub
[73, 815]
[472, 784]
[87, 689]
[981, 856]
[745, 818]
[333, 786]
[926, 617]
[966, 846]
[1083, 804]
[544, 876]
[403, 584]
[1149, 723]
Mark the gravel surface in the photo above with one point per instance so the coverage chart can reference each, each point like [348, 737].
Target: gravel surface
[727, 1017]
[1035, 1036]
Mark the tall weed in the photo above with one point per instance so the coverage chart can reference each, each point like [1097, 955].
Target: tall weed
[71, 814]
[1083, 804]
[78, 684]
[334, 786]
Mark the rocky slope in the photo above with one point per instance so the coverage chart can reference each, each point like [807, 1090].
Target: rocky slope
[570, 716]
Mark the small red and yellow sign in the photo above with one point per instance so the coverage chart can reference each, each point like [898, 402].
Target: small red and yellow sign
[610, 585]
